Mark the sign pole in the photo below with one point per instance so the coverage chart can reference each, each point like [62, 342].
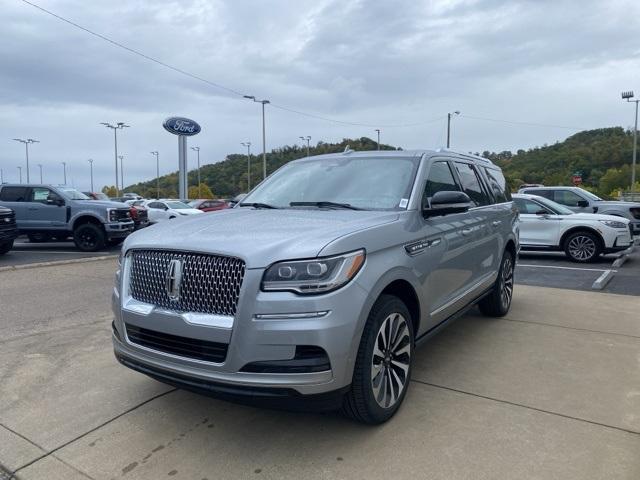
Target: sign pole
[183, 191]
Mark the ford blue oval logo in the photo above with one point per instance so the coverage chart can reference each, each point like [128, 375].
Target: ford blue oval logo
[181, 126]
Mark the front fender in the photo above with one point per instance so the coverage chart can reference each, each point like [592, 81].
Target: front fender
[85, 213]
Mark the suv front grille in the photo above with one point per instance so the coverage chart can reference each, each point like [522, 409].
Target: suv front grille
[210, 283]
[176, 345]
[121, 215]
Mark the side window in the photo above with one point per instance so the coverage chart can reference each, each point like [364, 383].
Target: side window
[156, 205]
[527, 206]
[471, 184]
[542, 193]
[440, 179]
[498, 185]
[567, 197]
[40, 194]
[13, 194]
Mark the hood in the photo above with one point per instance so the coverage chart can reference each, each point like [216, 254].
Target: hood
[598, 216]
[187, 211]
[259, 237]
[602, 204]
[100, 203]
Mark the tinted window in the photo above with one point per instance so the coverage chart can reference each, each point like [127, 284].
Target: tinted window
[498, 185]
[156, 205]
[471, 183]
[527, 206]
[567, 197]
[542, 193]
[13, 194]
[440, 179]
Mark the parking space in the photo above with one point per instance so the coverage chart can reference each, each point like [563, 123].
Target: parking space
[25, 252]
[550, 391]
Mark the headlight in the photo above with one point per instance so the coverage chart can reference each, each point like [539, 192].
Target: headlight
[613, 224]
[317, 275]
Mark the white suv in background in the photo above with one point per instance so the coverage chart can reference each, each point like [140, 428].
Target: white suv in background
[160, 210]
[547, 225]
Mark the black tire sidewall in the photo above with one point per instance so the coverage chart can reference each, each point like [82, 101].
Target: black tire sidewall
[384, 306]
[593, 237]
[96, 230]
[6, 247]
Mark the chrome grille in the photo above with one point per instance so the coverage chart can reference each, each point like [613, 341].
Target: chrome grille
[210, 283]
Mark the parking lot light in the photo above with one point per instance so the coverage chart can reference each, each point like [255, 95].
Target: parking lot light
[64, 171]
[449, 115]
[157, 155]
[307, 139]
[248, 145]
[91, 168]
[264, 141]
[115, 128]
[26, 147]
[628, 96]
[197, 150]
[20, 171]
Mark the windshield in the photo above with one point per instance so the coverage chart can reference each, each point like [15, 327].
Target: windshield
[554, 207]
[177, 205]
[591, 196]
[364, 183]
[74, 194]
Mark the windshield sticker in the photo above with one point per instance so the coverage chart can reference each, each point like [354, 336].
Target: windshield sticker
[404, 202]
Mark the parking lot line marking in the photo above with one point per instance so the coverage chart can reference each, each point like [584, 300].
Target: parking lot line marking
[30, 250]
[564, 268]
[515, 404]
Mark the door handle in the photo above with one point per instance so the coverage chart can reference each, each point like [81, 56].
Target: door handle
[467, 231]
[495, 223]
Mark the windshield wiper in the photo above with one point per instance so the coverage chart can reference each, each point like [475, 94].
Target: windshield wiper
[321, 204]
[257, 205]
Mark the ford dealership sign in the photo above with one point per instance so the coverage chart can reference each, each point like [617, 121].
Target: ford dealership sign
[181, 126]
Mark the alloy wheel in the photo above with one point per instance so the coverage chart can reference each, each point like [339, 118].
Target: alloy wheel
[88, 240]
[506, 292]
[582, 247]
[391, 360]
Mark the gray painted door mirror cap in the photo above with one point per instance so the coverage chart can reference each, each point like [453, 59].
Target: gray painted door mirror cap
[445, 203]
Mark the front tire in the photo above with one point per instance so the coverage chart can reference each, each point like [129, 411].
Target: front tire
[498, 302]
[582, 247]
[89, 237]
[5, 247]
[383, 366]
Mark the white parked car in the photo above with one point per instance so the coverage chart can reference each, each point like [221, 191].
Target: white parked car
[547, 225]
[160, 210]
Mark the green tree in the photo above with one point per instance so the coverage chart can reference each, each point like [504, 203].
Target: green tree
[109, 191]
[200, 192]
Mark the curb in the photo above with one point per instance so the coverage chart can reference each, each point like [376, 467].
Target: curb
[27, 266]
[602, 280]
[624, 256]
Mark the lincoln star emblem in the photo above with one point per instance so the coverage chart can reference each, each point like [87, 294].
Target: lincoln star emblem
[174, 279]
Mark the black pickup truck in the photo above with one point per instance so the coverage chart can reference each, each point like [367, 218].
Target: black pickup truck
[8, 230]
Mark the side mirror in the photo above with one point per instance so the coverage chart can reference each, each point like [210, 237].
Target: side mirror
[582, 204]
[542, 212]
[165, 208]
[445, 203]
[55, 201]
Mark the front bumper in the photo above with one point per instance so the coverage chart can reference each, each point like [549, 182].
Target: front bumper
[8, 235]
[251, 339]
[119, 229]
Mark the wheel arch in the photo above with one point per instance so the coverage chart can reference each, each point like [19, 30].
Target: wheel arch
[581, 228]
[403, 290]
[86, 218]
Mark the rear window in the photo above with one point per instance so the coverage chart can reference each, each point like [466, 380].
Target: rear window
[13, 194]
[498, 185]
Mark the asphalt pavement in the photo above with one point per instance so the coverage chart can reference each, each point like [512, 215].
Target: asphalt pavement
[551, 391]
[25, 252]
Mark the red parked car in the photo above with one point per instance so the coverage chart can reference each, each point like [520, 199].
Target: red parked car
[209, 205]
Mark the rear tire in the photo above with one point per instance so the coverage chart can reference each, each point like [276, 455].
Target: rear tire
[582, 247]
[498, 302]
[89, 237]
[382, 371]
[5, 247]
[39, 237]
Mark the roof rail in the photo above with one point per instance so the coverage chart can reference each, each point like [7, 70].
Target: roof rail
[465, 154]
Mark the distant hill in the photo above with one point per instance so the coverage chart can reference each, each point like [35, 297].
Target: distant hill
[602, 156]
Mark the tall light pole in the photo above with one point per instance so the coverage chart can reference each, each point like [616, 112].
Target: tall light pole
[26, 149]
[121, 157]
[197, 149]
[115, 128]
[378, 132]
[157, 154]
[264, 141]
[64, 171]
[20, 170]
[91, 169]
[307, 139]
[40, 167]
[628, 97]
[248, 145]
[1, 176]
[449, 115]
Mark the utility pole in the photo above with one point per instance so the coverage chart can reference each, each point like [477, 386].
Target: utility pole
[197, 149]
[157, 154]
[264, 135]
[26, 148]
[91, 168]
[40, 167]
[20, 170]
[628, 97]
[115, 128]
[307, 139]
[378, 132]
[449, 115]
[248, 145]
[121, 172]
[64, 171]
[1, 176]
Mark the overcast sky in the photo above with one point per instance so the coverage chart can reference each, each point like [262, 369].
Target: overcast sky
[381, 63]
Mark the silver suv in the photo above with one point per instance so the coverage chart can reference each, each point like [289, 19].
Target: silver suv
[315, 288]
[582, 201]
